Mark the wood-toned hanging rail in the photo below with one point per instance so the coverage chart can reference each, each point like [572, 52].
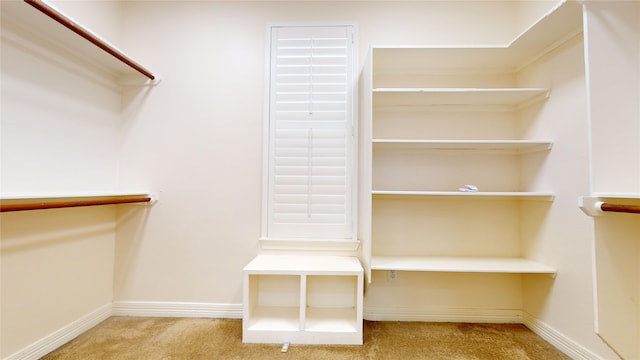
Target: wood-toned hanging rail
[634, 209]
[76, 28]
[52, 204]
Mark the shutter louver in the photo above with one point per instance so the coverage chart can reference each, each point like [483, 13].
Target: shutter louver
[310, 120]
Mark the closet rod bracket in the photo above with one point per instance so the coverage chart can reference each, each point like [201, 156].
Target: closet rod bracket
[596, 206]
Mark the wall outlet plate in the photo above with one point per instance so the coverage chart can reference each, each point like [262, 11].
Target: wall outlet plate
[392, 275]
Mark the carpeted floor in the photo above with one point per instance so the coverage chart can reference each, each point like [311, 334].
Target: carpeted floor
[138, 338]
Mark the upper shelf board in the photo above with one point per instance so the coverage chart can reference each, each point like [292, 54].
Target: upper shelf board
[562, 22]
[461, 264]
[462, 194]
[509, 146]
[397, 97]
[304, 264]
[49, 24]
[630, 196]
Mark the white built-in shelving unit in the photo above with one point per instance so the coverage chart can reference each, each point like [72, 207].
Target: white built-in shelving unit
[437, 119]
[460, 264]
[303, 299]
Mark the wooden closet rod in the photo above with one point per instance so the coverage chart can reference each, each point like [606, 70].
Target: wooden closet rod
[634, 209]
[78, 29]
[71, 203]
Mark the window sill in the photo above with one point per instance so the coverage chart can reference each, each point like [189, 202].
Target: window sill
[309, 244]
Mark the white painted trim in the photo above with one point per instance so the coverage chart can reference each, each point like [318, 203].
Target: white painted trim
[340, 245]
[234, 311]
[62, 336]
[177, 309]
[354, 73]
[431, 314]
[558, 339]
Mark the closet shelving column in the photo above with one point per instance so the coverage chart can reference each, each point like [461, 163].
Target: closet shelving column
[427, 162]
[442, 118]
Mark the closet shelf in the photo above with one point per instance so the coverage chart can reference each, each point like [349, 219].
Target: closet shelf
[301, 264]
[56, 201]
[560, 23]
[53, 26]
[514, 146]
[398, 97]
[460, 264]
[524, 195]
[630, 196]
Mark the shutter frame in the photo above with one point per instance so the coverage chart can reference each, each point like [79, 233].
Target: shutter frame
[310, 164]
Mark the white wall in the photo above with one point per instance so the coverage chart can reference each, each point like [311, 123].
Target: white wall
[197, 138]
[59, 134]
[57, 268]
[612, 34]
[561, 234]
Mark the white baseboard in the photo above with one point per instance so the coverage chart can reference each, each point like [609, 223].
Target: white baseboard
[545, 331]
[558, 339]
[60, 337]
[443, 314]
[234, 311]
[177, 309]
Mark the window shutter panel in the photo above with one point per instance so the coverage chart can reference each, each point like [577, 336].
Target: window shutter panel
[311, 135]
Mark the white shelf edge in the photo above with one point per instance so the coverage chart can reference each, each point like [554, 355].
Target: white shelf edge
[520, 146]
[266, 264]
[611, 195]
[460, 90]
[332, 245]
[480, 194]
[412, 97]
[461, 264]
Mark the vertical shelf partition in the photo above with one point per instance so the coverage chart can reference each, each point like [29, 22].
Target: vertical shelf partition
[612, 59]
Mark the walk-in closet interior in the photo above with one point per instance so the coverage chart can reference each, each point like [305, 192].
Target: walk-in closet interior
[482, 159]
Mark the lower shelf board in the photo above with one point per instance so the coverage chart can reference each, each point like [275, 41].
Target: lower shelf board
[461, 264]
[331, 320]
[522, 195]
[275, 318]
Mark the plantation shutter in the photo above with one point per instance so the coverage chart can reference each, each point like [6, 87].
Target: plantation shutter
[311, 133]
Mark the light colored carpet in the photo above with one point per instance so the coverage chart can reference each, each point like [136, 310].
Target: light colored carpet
[138, 338]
